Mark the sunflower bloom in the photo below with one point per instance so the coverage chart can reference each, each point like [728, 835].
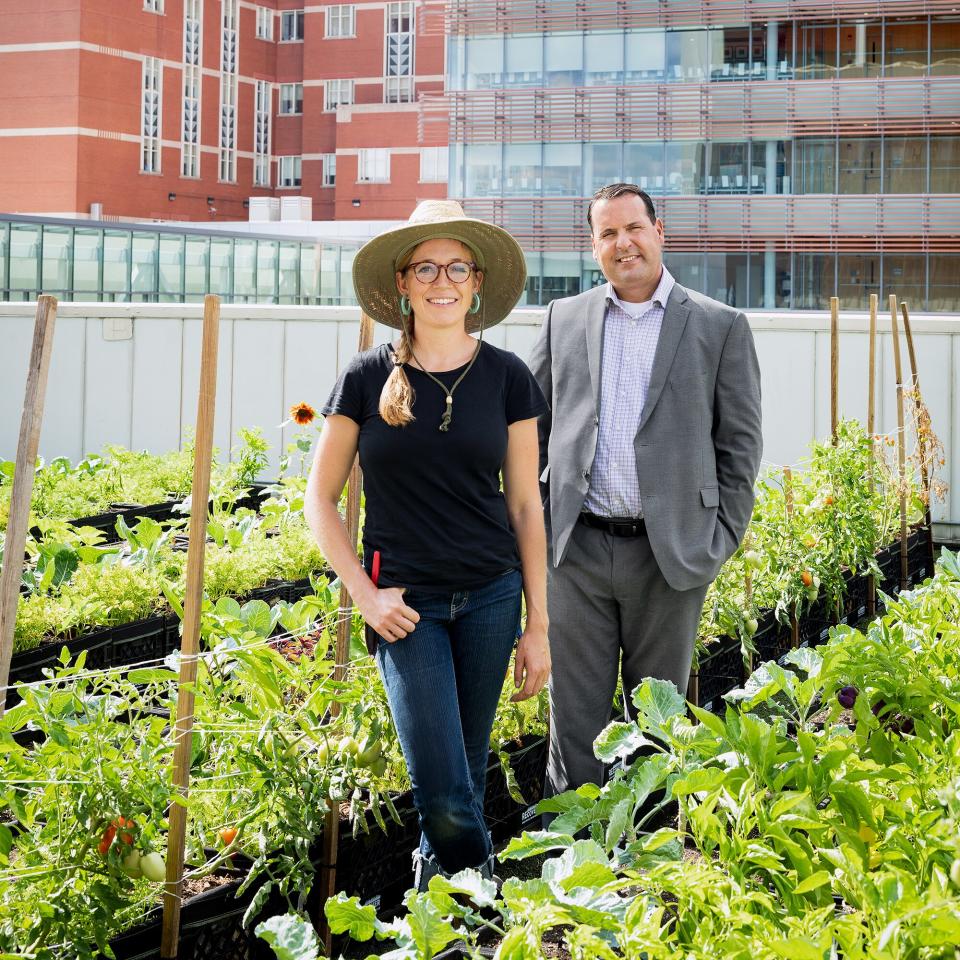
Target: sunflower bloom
[302, 413]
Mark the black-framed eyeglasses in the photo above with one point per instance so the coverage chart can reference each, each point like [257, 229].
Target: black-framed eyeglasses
[457, 271]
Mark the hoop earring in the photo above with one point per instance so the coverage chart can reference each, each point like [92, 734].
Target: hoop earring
[405, 307]
[474, 304]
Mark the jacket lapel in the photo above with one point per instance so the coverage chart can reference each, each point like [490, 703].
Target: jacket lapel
[671, 330]
[593, 327]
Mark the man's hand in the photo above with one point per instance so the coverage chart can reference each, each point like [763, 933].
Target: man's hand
[532, 664]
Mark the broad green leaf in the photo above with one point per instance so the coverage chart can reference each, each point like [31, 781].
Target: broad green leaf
[807, 659]
[797, 950]
[698, 781]
[469, 882]
[430, 931]
[291, 937]
[659, 702]
[813, 882]
[258, 616]
[346, 915]
[592, 875]
[617, 741]
[534, 843]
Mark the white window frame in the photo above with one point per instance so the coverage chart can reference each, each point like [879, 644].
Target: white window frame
[337, 93]
[192, 89]
[264, 27]
[229, 83]
[151, 115]
[329, 178]
[292, 177]
[434, 164]
[296, 18]
[153, 6]
[294, 98]
[399, 45]
[262, 112]
[373, 165]
[341, 22]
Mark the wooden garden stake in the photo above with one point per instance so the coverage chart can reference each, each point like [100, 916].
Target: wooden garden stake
[192, 602]
[834, 365]
[921, 440]
[19, 518]
[331, 829]
[871, 416]
[901, 442]
[748, 586]
[788, 494]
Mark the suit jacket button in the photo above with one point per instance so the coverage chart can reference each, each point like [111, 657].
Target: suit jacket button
[596, 421]
[586, 474]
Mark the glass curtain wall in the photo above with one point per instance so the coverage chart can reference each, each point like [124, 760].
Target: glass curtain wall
[92, 263]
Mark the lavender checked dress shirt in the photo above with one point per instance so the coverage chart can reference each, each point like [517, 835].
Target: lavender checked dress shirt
[630, 335]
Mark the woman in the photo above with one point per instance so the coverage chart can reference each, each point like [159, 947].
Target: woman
[438, 417]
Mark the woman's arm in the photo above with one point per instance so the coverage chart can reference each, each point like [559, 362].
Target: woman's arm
[522, 491]
[384, 609]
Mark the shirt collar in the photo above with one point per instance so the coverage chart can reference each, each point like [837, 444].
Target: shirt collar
[660, 295]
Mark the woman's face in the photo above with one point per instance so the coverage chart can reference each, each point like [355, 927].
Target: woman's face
[441, 302]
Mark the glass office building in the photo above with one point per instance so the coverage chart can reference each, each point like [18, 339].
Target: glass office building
[88, 261]
[791, 160]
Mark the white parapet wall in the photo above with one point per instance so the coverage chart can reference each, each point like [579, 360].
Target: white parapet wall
[128, 374]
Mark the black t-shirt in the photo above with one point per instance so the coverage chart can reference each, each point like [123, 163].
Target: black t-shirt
[434, 508]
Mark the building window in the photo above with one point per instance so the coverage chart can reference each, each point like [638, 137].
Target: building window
[433, 164]
[373, 166]
[192, 82]
[289, 171]
[329, 169]
[398, 87]
[228, 91]
[264, 23]
[152, 98]
[291, 98]
[153, 6]
[336, 93]
[291, 25]
[341, 21]
[261, 135]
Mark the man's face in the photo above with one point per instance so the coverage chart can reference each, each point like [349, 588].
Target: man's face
[628, 245]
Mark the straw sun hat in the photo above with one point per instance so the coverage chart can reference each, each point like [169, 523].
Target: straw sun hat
[495, 252]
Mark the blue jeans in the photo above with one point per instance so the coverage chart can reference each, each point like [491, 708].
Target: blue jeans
[443, 683]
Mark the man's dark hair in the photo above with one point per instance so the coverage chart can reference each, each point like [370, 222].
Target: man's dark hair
[613, 190]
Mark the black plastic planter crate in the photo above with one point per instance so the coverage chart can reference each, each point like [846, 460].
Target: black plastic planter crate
[815, 622]
[720, 671]
[505, 816]
[772, 639]
[211, 928]
[854, 602]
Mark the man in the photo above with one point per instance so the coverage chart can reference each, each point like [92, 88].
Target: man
[649, 457]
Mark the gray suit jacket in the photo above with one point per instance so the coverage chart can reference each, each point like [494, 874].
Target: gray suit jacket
[698, 445]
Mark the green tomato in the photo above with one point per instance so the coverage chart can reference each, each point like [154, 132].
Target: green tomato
[323, 751]
[750, 626]
[130, 864]
[955, 873]
[812, 593]
[153, 867]
[370, 753]
[378, 767]
[752, 559]
[348, 746]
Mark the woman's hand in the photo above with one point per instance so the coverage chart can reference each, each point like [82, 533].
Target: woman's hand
[532, 668]
[387, 614]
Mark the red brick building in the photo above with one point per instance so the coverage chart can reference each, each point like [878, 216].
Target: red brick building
[184, 109]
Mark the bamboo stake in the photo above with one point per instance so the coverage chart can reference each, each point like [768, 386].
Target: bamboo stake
[23, 475]
[871, 431]
[921, 442]
[748, 589]
[192, 602]
[788, 494]
[901, 442]
[834, 365]
[331, 829]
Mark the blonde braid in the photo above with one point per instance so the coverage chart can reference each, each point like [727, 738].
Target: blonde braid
[396, 398]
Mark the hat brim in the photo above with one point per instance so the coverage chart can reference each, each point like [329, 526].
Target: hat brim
[501, 259]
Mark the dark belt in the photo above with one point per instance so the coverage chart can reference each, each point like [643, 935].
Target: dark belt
[616, 528]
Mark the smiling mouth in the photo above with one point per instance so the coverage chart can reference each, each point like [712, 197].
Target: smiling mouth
[441, 301]
[630, 259]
